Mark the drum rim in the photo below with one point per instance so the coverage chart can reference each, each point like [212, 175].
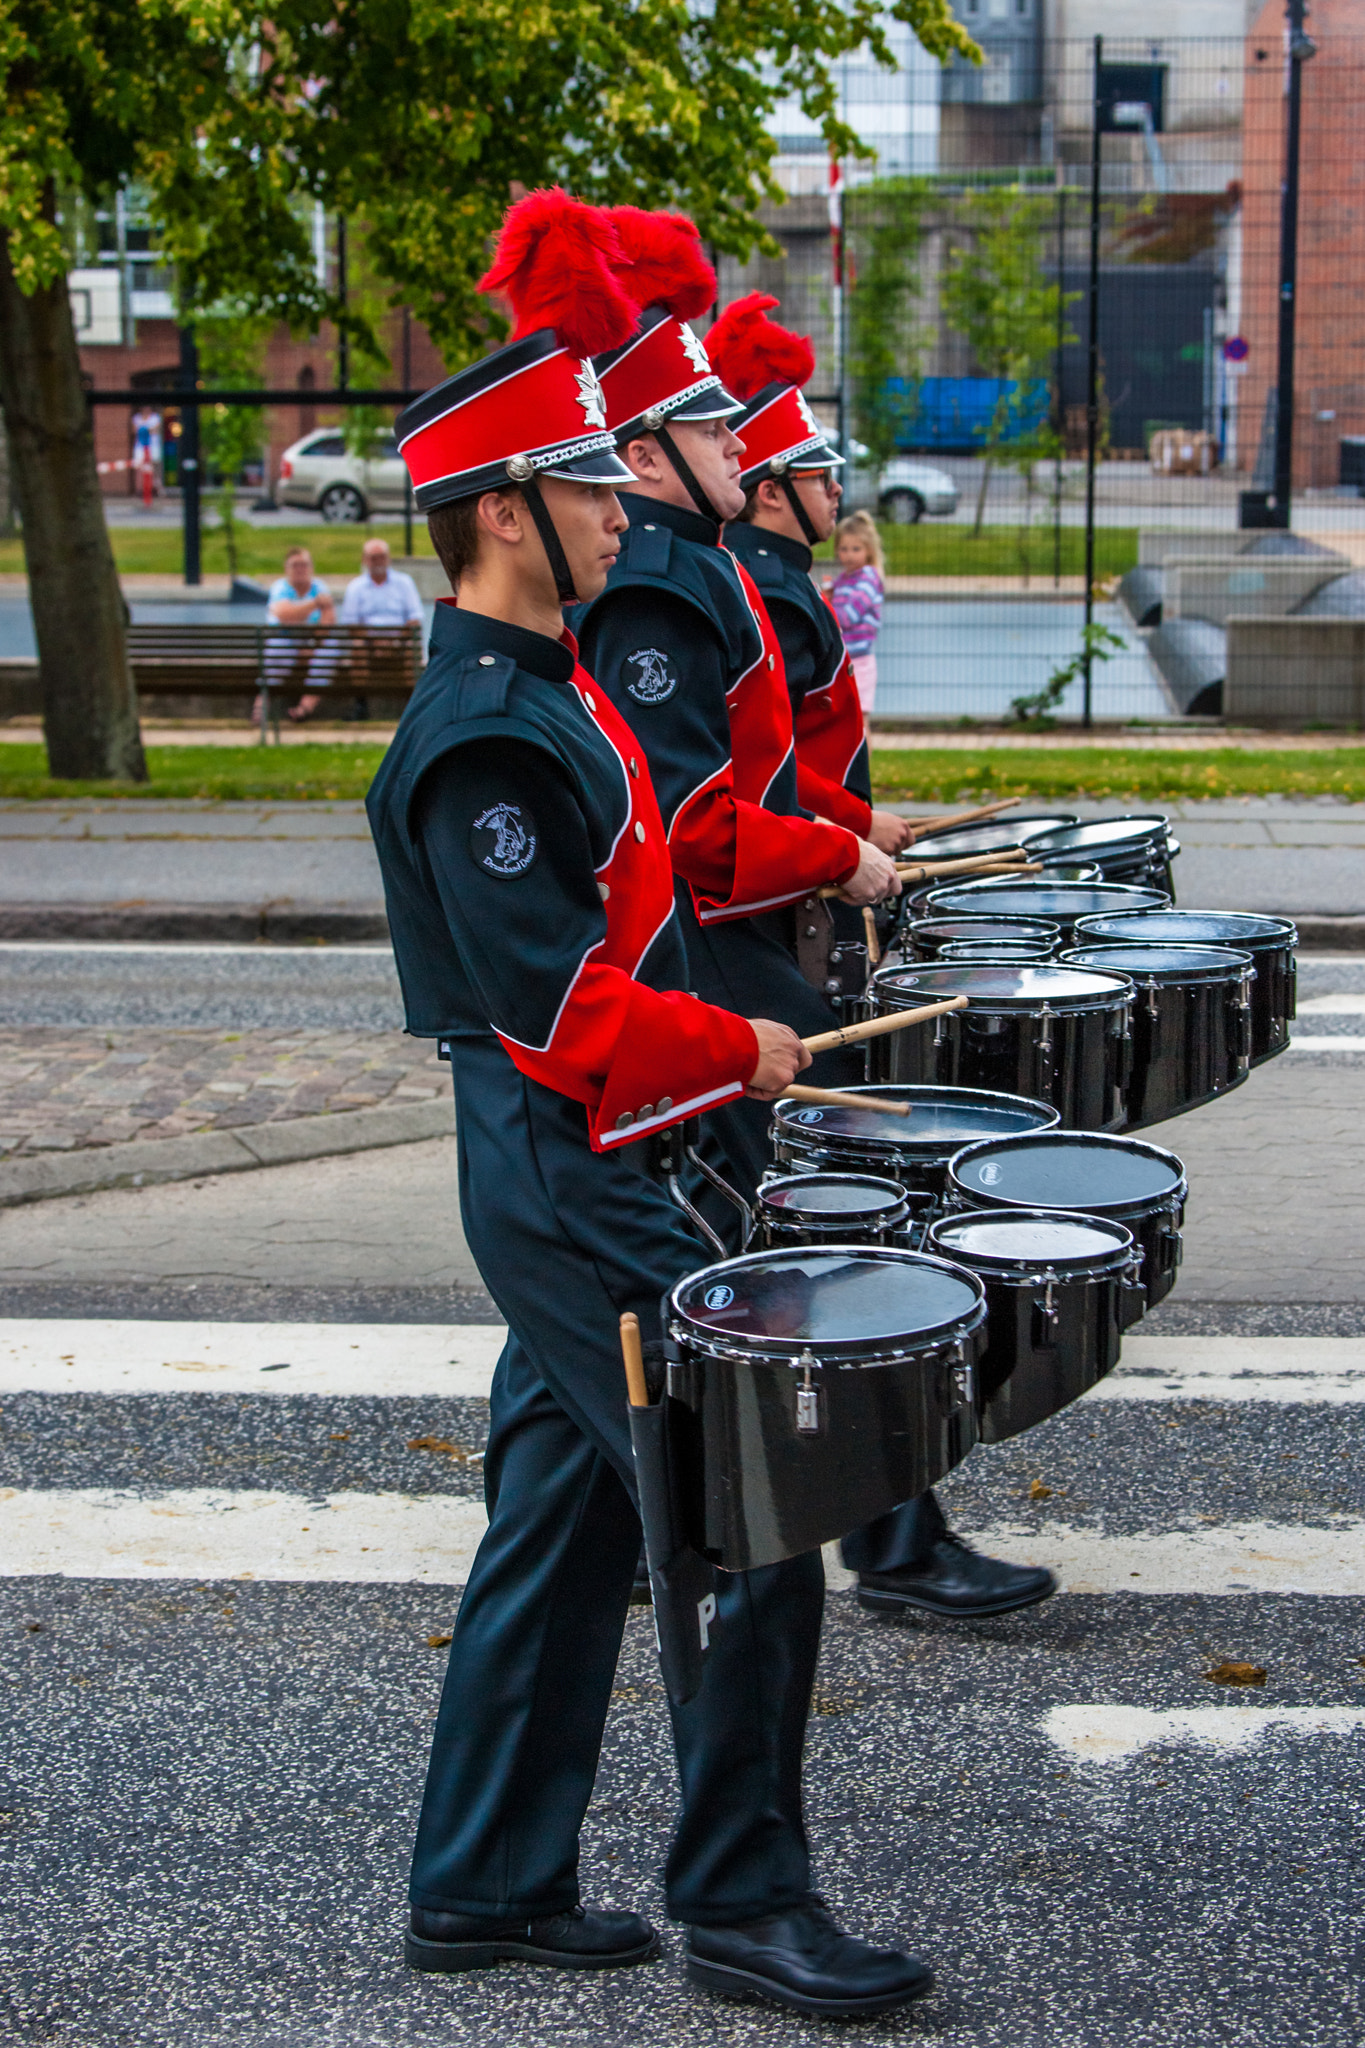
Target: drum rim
[947, 838]
[863, 1352]
[886, 1214]
[1025, 1005]
[999, 1264]
[1193, 977]
[927, 1092]
[1121, 1203]
[1153, 828]
[1039, 887]
[959, 953]
[1286, 934]
[1040, 925]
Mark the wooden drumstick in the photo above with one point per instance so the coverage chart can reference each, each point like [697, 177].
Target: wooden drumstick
[874, 950]
[874, 1027]
[981, 866]
[637, 1392]
[922, 827]
[839, 1098]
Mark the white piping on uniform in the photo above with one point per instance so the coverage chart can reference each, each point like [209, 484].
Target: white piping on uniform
[672, 1116]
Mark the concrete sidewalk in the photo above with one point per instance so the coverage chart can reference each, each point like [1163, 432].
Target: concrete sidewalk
[293, 871]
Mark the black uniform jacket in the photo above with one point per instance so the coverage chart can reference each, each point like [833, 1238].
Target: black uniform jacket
[529, 887]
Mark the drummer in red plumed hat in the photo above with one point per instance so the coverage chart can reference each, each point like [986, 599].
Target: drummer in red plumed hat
[909, 1558]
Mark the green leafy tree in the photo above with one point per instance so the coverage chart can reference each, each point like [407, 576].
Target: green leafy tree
[884, 224]
[998, 297]
[415, 116]
[231, 357]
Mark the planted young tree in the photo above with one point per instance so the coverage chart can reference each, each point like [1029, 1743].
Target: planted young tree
[884, 226]
[998, 297]
[231, 357]
[236, 116]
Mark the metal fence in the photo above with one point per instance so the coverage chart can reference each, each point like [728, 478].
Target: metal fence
[947, 285]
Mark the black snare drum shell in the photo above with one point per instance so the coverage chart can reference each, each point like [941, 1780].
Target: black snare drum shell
[1191, 1024]
[831, 1208]
[1271, 942]
[1057, 1034]
[752, 1488]
[925, 938]
[1061, 903]
[1044, 1348]
[1087, 1173]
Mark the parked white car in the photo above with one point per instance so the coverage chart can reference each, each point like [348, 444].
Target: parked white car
[318, 473]
[903, 493]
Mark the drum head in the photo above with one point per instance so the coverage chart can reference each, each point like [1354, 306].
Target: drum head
[1164, 963]
[941, 1121]
[1101, 835]
[997, 952]
[946, 931]
[1068, 1170]
[1002, 1240]
[832, 1198]
[1028, 986]
[840, 1301]
[1189, 928]
[985, 838]
[1062, 901]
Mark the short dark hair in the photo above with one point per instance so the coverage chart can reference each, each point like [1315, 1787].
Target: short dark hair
[454, 530]
[745, 517]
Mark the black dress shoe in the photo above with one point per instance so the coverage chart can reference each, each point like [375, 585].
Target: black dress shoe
[583, 1938]
[802, 1959]
[956, 1580]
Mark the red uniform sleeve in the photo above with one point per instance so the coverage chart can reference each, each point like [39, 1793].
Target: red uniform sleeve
[830, 799]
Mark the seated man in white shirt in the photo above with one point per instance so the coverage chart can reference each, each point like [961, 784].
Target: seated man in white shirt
[380, 595]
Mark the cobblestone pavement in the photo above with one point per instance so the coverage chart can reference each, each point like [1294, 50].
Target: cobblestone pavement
[61, 1090]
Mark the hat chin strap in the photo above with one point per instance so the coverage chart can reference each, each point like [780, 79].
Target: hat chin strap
[685, 474]
[803, 518]
[549, 540]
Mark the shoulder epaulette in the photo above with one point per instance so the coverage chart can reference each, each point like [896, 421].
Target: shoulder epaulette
[480, 687]
[649, 550]
[766, 568]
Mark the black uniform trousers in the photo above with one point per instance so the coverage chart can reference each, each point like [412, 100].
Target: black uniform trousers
[566, 1240]
[748, 966]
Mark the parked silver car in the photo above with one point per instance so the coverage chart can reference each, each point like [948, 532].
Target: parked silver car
[902, 494]
[319, 473]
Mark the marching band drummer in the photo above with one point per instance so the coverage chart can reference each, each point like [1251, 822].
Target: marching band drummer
[680, 640]
[530, 897]
[909, 1558]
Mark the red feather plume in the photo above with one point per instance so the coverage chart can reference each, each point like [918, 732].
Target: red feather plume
[556, 263]
[748, 350]
[664, 263]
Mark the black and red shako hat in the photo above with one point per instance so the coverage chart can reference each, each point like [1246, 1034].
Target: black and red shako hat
[535, 407]
[663, 372]
[767, 365]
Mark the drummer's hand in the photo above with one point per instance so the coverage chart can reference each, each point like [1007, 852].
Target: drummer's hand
[890, 833]
[781, 1057]
[874, 877]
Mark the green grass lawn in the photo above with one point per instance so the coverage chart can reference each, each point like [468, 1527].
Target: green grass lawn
[929, 775]
[930, 549]
[251, 774]
[261, 549]
[317, 771]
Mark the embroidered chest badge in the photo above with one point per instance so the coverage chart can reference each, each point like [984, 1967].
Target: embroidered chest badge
[652, 684]
[504, 840]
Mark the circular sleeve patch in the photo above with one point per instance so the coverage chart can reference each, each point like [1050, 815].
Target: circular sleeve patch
[503, 840]
[652, 682]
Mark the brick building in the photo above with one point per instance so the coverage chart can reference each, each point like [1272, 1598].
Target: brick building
[1329, 350]
[304, 365]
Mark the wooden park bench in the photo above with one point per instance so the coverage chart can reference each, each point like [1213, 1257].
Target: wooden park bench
[230, 660]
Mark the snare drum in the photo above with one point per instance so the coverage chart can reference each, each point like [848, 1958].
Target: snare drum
[997, 952]
[811, 1390]
[1269, 940]
[832, 1208]
[1191, 1023]
[957, 841]
[913, 1151]
[927, 936]
[1059, 1290]
[1061, 903]
[1124, 1179]
[1056, 1033]
[1127, 849]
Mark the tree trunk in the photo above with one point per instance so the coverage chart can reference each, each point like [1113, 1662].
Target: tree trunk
[89, 704]
[8, 527]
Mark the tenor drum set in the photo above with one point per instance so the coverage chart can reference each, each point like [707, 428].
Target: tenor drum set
[950, 1252]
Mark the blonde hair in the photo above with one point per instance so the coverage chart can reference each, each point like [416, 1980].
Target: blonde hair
[862, 526]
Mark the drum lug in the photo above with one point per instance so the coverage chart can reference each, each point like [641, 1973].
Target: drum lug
[1045, 1314]
[1153, 1007]
[1044, 1042]
[807, 1397]
[961, 1379]
[1132, 1293]
[1244, 1020]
